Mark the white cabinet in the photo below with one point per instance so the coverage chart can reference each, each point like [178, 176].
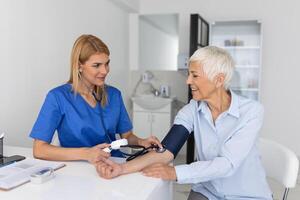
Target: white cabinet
[243, 41]
[142, 123]
[156, 122]
[160, 124]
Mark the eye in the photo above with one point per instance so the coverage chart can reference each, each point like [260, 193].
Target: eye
[96, 65]
[106, 64]
[193, 75]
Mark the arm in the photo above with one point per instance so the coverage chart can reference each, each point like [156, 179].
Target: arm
[108, 169]
[148, 159]
[232, 153]
[48, 120]
[173, 142]
[46, 151]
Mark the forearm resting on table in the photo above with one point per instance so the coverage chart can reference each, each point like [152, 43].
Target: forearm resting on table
[146, 160]
[43, 150]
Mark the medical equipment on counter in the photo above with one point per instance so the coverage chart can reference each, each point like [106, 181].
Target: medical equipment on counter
[115, 145]
[42, 175]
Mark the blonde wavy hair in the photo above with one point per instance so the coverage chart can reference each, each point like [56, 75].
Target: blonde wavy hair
[84, 47]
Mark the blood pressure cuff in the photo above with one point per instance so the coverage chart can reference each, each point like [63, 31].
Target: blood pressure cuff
[175, 139]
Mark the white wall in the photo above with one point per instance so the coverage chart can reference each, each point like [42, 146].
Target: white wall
[36, 37]
[280, 64]
[157, 49]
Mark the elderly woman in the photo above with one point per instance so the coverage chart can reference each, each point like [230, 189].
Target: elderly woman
[226, 128]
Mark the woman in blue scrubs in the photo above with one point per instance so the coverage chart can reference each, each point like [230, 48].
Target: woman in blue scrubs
[86, 113]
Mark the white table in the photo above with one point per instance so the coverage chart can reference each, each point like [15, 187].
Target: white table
[79, 180]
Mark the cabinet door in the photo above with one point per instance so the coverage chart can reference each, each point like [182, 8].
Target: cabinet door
[242, 39]
[161, 124]
[142, 124]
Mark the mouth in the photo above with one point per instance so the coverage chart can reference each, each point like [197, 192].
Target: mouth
[193, 89]
[100, 78]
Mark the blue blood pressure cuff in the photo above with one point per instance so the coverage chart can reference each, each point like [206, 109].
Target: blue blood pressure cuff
[175, 139]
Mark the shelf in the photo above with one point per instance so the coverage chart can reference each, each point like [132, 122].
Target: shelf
[240, 47]
[247, 56]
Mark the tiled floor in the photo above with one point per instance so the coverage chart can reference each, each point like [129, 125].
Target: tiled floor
[181, 192]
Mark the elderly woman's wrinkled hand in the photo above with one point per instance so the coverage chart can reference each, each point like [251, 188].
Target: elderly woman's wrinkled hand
[108, 169]
[160, 170]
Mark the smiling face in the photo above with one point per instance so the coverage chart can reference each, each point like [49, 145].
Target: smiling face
[202, 88]
[95, 69]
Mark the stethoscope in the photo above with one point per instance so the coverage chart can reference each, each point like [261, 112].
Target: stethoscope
[132, 156]
[142, 150]
[98, 100]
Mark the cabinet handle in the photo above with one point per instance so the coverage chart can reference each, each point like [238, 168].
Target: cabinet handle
[152, 117]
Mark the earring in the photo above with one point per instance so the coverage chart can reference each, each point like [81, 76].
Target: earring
[80, 69]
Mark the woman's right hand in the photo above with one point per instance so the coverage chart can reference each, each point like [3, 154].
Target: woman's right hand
[96, 153]
[108, 169]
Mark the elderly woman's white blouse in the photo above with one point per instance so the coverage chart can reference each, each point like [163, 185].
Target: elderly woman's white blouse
[228, 165]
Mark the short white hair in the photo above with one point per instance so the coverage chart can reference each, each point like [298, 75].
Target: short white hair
[215, 60]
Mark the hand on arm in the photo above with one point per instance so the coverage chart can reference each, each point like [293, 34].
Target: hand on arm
[43, 150]
[108, 169]
[160, 170]
[96, 153]
[133, 139]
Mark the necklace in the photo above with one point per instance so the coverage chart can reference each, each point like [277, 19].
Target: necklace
[91, 92]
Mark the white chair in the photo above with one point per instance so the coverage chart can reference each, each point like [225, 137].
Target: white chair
[280, 163]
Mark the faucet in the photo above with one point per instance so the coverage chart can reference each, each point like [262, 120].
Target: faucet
[154, 91]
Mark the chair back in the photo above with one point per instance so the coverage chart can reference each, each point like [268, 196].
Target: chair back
[280, 163]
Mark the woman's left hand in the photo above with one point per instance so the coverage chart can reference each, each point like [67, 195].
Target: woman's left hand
[147, 142]
[160, 170]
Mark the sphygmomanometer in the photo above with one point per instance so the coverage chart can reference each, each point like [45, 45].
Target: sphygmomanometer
[175, 139]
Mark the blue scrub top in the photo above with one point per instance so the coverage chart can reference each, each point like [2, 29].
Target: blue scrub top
[78, 124]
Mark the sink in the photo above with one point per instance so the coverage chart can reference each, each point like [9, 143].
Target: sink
[151, 102]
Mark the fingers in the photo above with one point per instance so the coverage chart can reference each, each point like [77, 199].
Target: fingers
[95, 155]
[153, 172]
[104, 170]
[109, 169]
[99, 167]
[104, 154]
[110, 162]
[160, 170]
[156, 166]
[155, 140]
[152, 140]
[103, 145]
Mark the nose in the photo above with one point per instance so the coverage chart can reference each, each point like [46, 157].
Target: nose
[188, 80]
[104, 69]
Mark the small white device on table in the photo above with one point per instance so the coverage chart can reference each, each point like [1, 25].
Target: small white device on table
[42, 175]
